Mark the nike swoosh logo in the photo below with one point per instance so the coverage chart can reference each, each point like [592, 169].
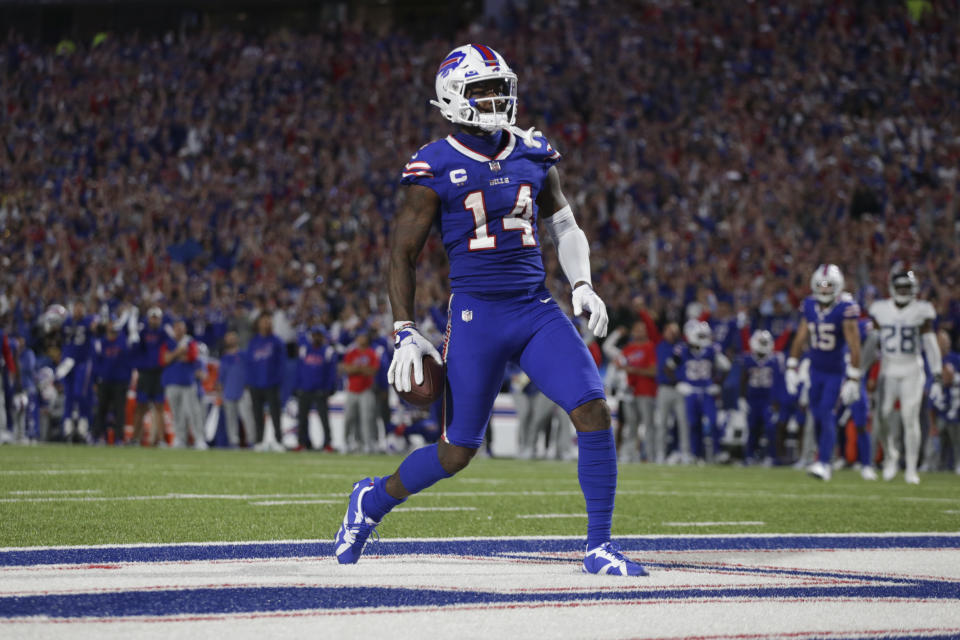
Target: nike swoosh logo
[546, 300]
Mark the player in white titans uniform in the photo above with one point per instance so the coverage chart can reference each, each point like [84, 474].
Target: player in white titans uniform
[905, 326]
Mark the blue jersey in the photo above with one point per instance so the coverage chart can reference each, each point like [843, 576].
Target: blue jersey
[698, 367]
[725, 333]
[828, 346]
[763, 376]
[78, 339]
[488, 211]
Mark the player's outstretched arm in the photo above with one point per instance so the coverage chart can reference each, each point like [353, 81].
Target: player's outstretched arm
[573, 251]
[410, 229]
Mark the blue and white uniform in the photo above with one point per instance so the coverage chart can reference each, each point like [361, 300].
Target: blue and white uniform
[828, 362]
[698, 369]
[500, 310]
[77, 383]
[764, 380]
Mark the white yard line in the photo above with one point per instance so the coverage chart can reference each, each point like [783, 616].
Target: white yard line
[551, 515]
[402, 509]
[50, 472]
[280, 503]
[53, 492]
[741, 523]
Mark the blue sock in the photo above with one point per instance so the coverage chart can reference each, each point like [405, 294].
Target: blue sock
[597, 471]
[863, 448]
[377, 503]
[421, 469]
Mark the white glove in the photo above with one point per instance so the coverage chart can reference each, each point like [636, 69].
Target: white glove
[65, 366]
[936, 391]
[792, 377]
[713, 390]
[684, 388]
[850, 389]
[743, 406]
[409, 348]
[584, 297]
[849, 392]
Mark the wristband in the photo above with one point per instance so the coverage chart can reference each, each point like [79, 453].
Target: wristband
[853, 373]
[792, 363]
[401, 325]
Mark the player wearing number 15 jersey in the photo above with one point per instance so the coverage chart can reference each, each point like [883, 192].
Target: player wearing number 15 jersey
[485, 186]
[829, 322]
[905, 327]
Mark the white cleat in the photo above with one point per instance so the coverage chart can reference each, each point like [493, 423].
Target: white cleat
[911, 477]
[889, 471]
[868, 473]
[820, 470]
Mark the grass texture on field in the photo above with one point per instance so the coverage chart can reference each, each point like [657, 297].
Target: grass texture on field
[62, 495]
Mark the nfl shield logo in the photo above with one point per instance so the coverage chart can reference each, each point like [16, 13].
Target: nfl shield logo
[466, 315]
[494, 166]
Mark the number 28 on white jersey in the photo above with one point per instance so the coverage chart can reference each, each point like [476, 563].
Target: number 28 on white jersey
[901, 346]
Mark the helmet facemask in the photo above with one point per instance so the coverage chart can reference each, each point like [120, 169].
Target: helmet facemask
[496, 105]
[903, 287]
[457, 97]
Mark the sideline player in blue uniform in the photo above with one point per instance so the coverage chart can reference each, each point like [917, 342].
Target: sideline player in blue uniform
[74, 371]
[485, 186]
[760, 378]
[700, 365]
[829, 322]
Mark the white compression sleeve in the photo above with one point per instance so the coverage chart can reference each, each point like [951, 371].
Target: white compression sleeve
[931, 348]
[573, 250]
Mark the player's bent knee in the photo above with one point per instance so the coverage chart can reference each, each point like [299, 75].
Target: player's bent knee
[591, 416]
[454, 458]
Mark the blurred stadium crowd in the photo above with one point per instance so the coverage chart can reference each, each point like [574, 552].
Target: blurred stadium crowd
[714, 155]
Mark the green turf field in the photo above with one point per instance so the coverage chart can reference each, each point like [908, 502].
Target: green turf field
[60, 495]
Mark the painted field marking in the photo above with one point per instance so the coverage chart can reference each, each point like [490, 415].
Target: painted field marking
[474, 494]
[52, 492]
[169, 496]
[744, 523]
[50, 472]
[402, 509]
[552, 515]
[280, 503]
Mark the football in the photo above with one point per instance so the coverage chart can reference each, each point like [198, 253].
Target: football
[423, 395]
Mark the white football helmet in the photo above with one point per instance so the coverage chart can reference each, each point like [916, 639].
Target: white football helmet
[827, 283]
[469, 64]
[697, 333]
[761, 343]
[903, 285]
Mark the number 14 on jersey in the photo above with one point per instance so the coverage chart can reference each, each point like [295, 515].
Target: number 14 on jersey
[519, 219]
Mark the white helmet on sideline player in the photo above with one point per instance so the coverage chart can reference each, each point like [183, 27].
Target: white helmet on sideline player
[761, 343]
[697, 333]
[903, 285]
[827, 283]
[470, 64]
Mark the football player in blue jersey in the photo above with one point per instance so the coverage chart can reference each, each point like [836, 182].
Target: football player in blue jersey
[699, 365]
[485, 186]
[761, 374]
[829, 323]
[74, 372]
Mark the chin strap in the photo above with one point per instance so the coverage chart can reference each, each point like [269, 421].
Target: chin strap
[527, 135]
